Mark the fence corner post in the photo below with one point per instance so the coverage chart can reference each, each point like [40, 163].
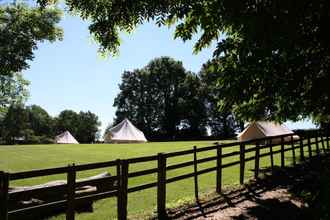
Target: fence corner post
[71, 188]
[219, 169]
[242, 163]
[4, 188]
[161, 186]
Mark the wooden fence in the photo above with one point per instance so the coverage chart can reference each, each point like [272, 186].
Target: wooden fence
[119, 182]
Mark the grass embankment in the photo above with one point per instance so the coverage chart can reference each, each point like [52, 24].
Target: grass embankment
[20, 158]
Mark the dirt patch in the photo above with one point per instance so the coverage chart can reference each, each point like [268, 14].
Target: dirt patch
[279, 194]
[246, 203]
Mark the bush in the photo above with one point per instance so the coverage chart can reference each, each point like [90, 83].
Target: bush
[33, 139]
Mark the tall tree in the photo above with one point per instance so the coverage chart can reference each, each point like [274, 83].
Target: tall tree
[193, 107]
[88, 127]
[166, 79]
[67, 120]
[222, 121]
[275, 54]
[83, 125]
[136, 101]
[40, 121]
[159, 97]
[15, 125]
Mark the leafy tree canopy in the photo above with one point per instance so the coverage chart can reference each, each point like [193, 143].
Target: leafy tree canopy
[273, 62]
[222, 121]
[150, 97]
[40, 121]
[21, 28]
[166, 101]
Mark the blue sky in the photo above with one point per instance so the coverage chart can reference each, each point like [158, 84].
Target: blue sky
[71, 74]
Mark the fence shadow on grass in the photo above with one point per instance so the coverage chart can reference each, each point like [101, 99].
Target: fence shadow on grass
[301, 183]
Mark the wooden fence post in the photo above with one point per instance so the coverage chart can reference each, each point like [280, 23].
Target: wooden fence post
[219, 169]
[242, 163]
[257, 160]
[271, 154]
[309, 147]
[122, 214]
[327, 135]
[322, 143]
[195, 173]
[302, 156]
[4, 187]
[118, 172]
[317, 144]
[293, 151]
[161, 186]
[71, 188]
[282, 153]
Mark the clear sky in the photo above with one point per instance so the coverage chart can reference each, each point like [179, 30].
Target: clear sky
[70, 74]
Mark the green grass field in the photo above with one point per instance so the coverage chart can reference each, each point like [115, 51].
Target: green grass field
[21, 158]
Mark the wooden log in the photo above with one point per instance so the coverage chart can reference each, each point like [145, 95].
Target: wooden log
[293, 151]
[4, 187]
[161, 186]
[71, 180]
[257, 161]
[242, 163]
[282, 153]
[123, 190]
[219, 169]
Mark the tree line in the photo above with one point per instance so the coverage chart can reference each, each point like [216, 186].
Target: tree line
[166, 101]
[33, 125]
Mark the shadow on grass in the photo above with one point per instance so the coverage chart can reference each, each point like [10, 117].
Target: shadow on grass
[307, 187]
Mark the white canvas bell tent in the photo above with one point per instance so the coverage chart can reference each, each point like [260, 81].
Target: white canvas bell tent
[124, 132]
[65, 138]
[261, 129]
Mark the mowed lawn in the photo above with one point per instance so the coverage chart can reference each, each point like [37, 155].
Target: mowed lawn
[28, 157]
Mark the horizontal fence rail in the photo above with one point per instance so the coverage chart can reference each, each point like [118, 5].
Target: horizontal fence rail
[68, 198]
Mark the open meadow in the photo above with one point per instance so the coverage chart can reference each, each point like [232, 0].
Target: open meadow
[142, 203]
